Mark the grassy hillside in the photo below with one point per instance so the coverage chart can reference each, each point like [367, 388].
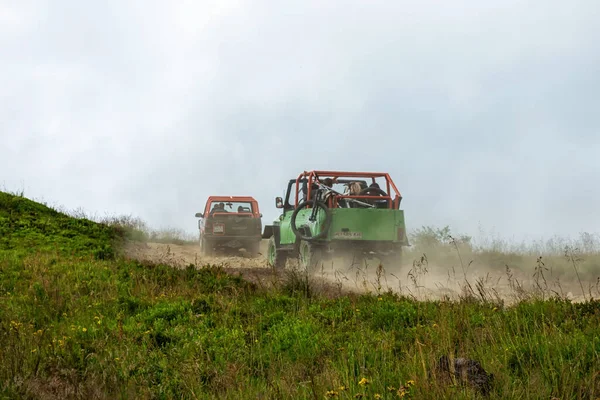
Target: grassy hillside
[27, 226]
[80, 321]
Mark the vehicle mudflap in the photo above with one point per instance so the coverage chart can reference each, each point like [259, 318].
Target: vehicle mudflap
[272, 231]
[268, 231]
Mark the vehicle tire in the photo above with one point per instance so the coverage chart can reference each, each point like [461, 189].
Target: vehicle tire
[253, 248]
[206, 249]
[275, 258]
[310, 256]
[326, 224]
[392, 261]
[350, 260]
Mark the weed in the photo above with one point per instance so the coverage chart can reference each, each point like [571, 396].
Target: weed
[78, 324]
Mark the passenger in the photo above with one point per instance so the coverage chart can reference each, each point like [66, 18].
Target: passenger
[324, 196]
[377, 203]
[218, 208]
[240, 209]
[354, 189]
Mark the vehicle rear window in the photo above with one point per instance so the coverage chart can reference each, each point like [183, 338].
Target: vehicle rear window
[231, 207]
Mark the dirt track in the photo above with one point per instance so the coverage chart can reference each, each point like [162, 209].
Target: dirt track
[183, 255]
[355, 278]
[435, 284]
[254, 269]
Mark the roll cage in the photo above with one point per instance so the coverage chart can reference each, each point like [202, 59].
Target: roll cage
[309, 181]
[254, 212]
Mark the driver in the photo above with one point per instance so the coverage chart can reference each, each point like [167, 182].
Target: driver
[316, 190]
[218, 208]
[328, 182]
[374, 193]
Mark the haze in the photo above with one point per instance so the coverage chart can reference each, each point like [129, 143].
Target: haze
[484, 113]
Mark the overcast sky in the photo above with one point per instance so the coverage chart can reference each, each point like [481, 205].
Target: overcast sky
[485, 113]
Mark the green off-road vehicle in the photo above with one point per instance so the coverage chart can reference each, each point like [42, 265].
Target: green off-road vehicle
[230, 223]
[328, 213]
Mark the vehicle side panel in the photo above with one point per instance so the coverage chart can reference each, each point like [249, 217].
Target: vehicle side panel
[368, 224]
[286, 236]
[364, 224]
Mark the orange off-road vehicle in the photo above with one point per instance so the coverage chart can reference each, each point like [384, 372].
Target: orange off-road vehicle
[230, 223]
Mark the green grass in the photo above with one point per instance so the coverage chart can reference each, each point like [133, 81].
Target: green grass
[27, 227]
[78, 320]
[135, 229]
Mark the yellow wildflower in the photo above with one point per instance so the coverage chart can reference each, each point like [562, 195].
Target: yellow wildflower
[15, 324]
[391, 389]
[364, 382]
[34, 350]
[331, 393]
[410, 383]
[377, 396]
[343, 388]
[84, 329]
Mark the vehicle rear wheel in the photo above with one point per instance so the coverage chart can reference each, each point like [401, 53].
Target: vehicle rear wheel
[350, 260]
[275, 258]
[392, 260]
[253, 249]
[309, 256]
[206, 249]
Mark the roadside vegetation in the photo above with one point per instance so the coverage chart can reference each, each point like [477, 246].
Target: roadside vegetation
[78, 319]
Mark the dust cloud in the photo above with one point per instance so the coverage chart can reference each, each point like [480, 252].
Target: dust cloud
[436, 274]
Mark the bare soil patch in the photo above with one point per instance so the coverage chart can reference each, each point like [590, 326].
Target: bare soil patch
[333, 278]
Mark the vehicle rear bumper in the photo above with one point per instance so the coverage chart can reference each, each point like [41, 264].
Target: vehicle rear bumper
[232, 240]
[366, 245]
